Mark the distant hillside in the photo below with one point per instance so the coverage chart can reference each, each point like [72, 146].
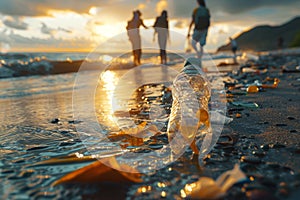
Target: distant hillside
[262, 38]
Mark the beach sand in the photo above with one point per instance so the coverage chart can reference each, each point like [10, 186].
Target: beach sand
[264, 141]
[268, 137]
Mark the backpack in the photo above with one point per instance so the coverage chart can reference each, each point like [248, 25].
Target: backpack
[202, 18]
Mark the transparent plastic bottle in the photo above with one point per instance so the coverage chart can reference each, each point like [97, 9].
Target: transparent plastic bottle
[189, 118]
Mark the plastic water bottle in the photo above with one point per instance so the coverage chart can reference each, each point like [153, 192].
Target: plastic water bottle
[189, 118]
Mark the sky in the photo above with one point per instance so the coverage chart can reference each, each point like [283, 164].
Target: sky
[82, 25]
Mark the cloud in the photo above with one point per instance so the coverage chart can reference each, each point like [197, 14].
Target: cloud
[4, 36]
[64, 30]
[15, 22]
[19, 42]
[221, 10]
[90, 26]
[238, 6]
[52, 31]
[41, 8]
[108, 10]
[121, 9]
[47, 30]
[241, 14]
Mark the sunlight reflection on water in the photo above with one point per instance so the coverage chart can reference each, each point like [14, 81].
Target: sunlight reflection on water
[37, 123]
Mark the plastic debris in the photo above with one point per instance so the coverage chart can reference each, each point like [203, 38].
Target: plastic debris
[291, 69]
[100, 172]
[275, 83]
[238, 115]
[207, 188]
[252, 89]
[219, 118]
[190, 84]
[66, 160]
[245, 104]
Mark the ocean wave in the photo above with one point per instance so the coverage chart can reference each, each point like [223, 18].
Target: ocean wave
[28, 64]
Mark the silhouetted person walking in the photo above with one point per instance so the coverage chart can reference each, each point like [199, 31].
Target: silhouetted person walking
[133, 32]
[280, 42]
[201, 22]
[161, 27]
[234, 48]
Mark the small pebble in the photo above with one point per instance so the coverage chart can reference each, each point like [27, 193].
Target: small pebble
[37, 148]
[141, 150]
[281, 125]
[265, 147]
[250, 159]
[262, 123]
[62, 144]
[74, 122]
[132, 147]
[55, 121]
[26, 174]
[238, 115]
[276, 146]
[155, 146]
[259, 153]
[282, 184]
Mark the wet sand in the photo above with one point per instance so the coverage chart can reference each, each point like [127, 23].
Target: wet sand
[263, 140]
[268, 137]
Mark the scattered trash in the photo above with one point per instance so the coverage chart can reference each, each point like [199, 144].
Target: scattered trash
[291, 69]
[245, 104]
[291, 118]
[66, 160]
[101, 172]
[238, 115]
[225, 64]
[276, 81]
[250, 159]
[226, 140]
[55, 121]
[252, 89]
[219, 118]
[207, 188]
